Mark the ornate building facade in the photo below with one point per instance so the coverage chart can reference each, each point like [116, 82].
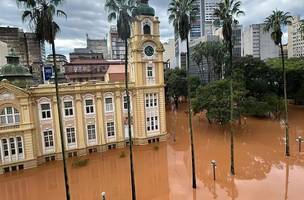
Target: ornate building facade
[94, 113]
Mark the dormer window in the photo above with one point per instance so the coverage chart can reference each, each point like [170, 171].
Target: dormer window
[9, 115]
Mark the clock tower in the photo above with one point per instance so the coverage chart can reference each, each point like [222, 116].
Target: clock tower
[146, 69]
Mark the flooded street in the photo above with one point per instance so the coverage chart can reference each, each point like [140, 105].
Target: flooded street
[163, 171]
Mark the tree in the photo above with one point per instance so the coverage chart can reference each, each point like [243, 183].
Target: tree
[227, 12]
[181, 12]
[218, 56]
[40, 16]
[176, 83]
[121, 11]
[198, 58]
[212, 98]
[274, 23]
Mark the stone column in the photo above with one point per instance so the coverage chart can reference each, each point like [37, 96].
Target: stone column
[118, 117]
[100, 119]
[80, 129]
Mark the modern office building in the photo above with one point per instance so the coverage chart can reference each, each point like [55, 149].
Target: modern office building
[24, 44]
[258, 43]
[202, 25]
[3, 53]
[295, 39]
[94, 113]
[116, 46]
[237, 39]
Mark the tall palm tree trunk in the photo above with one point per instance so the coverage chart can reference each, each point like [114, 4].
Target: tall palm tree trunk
[129, 123]
[287, 153]
[190, 117]
[231, 112]
[66, 180]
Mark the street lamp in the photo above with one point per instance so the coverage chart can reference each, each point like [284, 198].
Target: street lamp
[103, 196]
[299, 140]
[213, 164]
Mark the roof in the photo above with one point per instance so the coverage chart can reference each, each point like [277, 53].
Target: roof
[116, 69]
[143, 8]
[94, 62]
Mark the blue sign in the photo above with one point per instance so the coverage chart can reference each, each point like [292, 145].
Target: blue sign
[47, 72]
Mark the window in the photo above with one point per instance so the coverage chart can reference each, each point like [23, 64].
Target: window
[110, 129]
[89, 106]
[152, 122]
[91, 132]
[48, 139]
[151, 100]
[5, 147]
[45, 111]
[19, 145]
[68, 108]
[147, 29]
[125, 103]
[71, 138]
[9, 115]
[150, 73]
[109, 104]
[12, 146]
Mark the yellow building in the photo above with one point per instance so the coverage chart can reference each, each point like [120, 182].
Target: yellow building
[94, 113]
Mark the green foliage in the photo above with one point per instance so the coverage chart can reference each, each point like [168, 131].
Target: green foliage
[214, 98]
[40, 15]
[122, 12]
[176, 82]
[181, 12]
[194, 83]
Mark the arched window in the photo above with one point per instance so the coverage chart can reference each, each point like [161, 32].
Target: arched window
[9, 115]
[147, 29]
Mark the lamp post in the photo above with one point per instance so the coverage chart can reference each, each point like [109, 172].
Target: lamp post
[299, 140]
[213, 164]
[103, 196]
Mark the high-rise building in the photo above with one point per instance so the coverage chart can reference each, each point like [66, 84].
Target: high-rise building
[202, 25]
[295, 39]
[3, 53]
[116, 46]
[258, 43]
[23, 44]
[237, 39]
[95, 116]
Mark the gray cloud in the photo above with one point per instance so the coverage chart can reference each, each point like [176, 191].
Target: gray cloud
[90, 17]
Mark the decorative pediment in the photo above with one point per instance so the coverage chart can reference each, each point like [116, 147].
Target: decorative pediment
[11, 92]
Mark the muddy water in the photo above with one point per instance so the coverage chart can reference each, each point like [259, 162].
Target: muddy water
[164, 173]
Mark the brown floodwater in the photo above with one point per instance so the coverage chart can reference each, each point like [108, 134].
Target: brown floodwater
[164, 173]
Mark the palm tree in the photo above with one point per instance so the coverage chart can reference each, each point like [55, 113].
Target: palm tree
[40, 15]
[121, 11]
[206, 50]
[275, 23]
[217, 55]
[181, 12]
[227, 12]
[198, 58]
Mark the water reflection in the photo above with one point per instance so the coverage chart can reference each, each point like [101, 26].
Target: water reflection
[164, 173]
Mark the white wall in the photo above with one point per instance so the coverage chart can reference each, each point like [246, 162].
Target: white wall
[3, 53]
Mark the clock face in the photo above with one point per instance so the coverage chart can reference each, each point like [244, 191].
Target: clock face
[149, 51]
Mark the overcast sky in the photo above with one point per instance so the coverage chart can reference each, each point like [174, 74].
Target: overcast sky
[89, 16]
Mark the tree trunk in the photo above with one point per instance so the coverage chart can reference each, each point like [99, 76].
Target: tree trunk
[209, 69]
[129, 124]
[66, 180]
[190, 118]
[231, 112]
[287, 153]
